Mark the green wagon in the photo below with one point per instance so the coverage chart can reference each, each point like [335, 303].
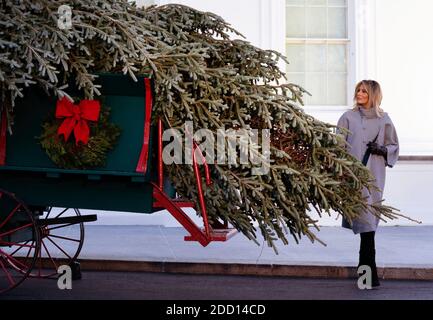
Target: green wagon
[36, 236]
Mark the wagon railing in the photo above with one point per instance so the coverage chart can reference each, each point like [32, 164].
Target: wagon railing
[215, 232]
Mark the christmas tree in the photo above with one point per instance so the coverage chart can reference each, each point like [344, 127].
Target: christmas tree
[201, 75]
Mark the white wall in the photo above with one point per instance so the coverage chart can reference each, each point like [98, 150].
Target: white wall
[408, 187]
[405, 68]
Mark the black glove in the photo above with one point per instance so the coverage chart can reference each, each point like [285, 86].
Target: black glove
[376, 149]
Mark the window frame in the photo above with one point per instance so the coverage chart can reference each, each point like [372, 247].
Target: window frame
[350, 43]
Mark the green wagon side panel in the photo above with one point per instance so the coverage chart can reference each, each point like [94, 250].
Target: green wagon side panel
[121, 94]
[110, 193]
[32, 176]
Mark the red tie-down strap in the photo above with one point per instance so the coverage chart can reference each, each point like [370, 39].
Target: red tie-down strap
[203, 160]
[202, 157]
[199, 185]
[3, 127]
[144, 154]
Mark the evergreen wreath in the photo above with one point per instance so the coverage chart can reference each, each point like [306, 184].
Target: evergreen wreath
[70, 155]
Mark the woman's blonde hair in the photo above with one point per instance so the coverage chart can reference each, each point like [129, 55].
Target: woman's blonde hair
[374, 95]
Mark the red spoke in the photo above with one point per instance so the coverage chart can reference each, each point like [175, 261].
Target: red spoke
[59, 248]
[64, 238]
[19, 248]
[10, 215]
[14, 260]
[28, 252]
[17, 244]
[51, 258]
[40, 262]
[8, 275]
[16, 229]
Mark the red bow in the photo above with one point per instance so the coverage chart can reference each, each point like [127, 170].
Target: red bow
[76, 117]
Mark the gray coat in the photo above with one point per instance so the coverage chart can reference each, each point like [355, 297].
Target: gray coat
[364, 126]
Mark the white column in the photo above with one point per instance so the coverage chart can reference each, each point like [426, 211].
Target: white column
[272, 25]
[365, 39]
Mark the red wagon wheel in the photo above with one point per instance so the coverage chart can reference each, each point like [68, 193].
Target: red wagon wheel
[62, 237]
[19, 241]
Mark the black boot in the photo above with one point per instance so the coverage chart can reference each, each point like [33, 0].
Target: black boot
[372, 263]
[367, 256]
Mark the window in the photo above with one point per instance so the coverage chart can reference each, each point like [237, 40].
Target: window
[317, 47]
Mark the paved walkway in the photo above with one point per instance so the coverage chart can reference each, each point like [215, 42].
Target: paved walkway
[398, 247]
[181, 287]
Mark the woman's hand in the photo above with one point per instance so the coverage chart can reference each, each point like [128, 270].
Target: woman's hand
[376, 149]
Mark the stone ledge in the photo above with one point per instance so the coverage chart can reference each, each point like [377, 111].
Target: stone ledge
[263, 270]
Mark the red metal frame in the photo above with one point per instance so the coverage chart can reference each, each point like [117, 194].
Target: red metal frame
[160, 161]
[144, 154]
[217, 232]
[180, 216]
[200, 190]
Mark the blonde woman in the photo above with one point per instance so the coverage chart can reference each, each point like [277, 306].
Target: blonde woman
[373, 140]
